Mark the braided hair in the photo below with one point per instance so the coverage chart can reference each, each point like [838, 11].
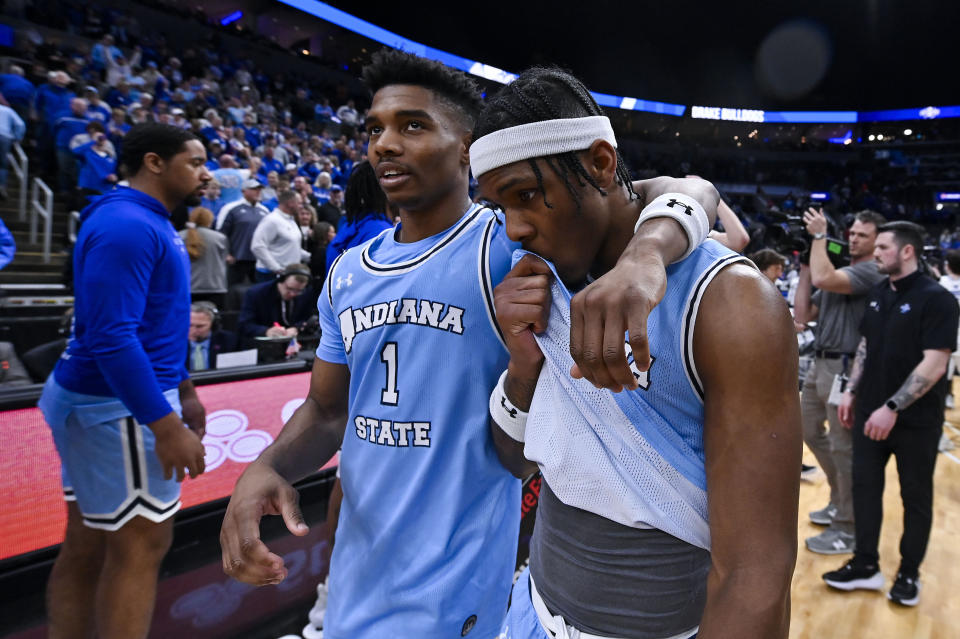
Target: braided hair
[363, 196]
[548, 93]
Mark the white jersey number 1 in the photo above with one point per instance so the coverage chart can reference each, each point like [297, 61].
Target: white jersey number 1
[388, 356]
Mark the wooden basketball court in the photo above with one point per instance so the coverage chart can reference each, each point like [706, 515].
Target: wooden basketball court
[819, 612]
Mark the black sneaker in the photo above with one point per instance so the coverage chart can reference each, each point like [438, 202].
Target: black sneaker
[855, 576]
[807, 472]
[905, 591]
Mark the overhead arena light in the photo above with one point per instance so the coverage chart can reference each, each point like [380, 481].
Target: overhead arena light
[233, 17]
[489, 72]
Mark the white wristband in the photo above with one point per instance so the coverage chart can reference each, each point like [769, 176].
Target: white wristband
[508, 417]
[686, 211]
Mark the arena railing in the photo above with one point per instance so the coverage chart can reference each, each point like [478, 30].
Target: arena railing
[73, 221]
[20, 165]
[42, 209]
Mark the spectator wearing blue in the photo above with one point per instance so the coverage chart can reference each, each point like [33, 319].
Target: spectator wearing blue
[365, 212]
[117, 127]
[97, 109]
[231, 180]
[214, 125]
[321, 188]
[323, 112]
[98, 162]
[270, 163]
[51, 101]
[120, 96]
[250, 131]
[102, 51]
[12, 129]
[213, 162]
[8, 246]
[119, 392]
[72, 123]
[18, 91]
[310, 168]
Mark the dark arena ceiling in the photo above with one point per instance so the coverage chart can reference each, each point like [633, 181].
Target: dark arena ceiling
[822, 54]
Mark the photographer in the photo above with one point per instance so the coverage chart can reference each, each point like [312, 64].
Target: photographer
[837, 306]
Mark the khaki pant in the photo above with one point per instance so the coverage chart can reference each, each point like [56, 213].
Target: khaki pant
[832, 447]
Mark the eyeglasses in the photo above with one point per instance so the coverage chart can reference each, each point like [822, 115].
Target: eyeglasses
[286, 288]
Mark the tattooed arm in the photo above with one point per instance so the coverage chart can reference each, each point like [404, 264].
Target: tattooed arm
[845, 408]
[857, 370]
[927, 373]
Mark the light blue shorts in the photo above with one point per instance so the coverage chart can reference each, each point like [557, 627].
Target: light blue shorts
[109, 464]
[521, 621]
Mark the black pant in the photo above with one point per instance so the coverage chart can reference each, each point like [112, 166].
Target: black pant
[242, 272]
[916, 452]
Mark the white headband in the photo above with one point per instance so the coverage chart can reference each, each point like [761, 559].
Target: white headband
[538, 139]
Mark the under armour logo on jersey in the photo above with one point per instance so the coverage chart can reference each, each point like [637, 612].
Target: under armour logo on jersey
[686, 207]
[904, 308]
[511, 411]
[874, 305]
[341, 281]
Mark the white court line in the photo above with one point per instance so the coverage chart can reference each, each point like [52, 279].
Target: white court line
[951, 456]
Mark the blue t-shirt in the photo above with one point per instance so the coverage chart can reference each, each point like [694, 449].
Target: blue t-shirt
[132, 311]
[428, 528]
[350, 234]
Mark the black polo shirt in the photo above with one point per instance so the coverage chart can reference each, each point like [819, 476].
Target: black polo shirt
[900, 322]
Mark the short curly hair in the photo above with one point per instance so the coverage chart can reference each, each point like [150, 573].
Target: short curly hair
[455, 88]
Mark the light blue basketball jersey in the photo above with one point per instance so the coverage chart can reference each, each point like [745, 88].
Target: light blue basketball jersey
[427, 539]
[635, 457]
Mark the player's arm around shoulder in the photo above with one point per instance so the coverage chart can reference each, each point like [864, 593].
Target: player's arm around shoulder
[309, 438]
[746, 353]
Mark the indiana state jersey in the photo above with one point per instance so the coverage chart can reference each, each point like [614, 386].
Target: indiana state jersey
[635, 457]
[427, 538]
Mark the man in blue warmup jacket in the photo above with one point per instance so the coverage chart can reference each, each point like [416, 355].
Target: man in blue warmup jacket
[124, 414]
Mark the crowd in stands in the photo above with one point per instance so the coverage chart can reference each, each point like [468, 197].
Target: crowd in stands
[290, 182]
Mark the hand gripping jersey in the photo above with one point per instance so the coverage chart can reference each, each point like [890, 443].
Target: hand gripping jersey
[428, 529]
[634, 457]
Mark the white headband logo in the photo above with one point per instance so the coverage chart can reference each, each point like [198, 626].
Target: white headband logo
[538, 139]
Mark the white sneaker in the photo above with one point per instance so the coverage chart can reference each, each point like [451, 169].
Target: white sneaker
[945, 444]
[320, 607]
[309, 632]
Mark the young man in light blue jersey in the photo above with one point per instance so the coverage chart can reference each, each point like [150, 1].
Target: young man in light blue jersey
[428, 529]
[669, 509]
[120, 396]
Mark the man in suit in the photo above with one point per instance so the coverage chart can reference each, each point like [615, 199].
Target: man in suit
[278, 307]
[206, 339]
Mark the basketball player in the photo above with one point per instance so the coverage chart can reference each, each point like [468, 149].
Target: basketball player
[427, 535]
[115, 399]
[664, 508]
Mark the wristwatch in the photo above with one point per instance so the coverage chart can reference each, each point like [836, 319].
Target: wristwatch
[819, 236]
[892, 405]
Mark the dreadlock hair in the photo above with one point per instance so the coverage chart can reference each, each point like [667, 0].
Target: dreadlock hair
[364, 197]
[455, 88]
[548, 93]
